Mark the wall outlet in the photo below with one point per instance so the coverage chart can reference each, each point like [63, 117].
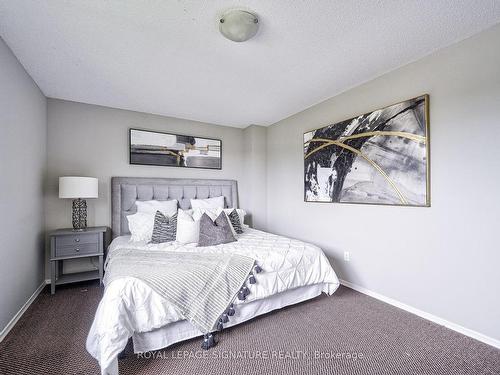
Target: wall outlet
[347, 256]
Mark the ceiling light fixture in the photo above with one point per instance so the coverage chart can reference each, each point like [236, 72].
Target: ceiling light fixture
[238, 25]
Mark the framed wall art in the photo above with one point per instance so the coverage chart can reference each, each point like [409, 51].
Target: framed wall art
[381, 157]
[173, 150]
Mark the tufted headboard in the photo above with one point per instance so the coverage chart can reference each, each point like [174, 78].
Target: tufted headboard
[126, 190]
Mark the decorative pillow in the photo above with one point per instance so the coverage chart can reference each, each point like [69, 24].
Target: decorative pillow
[217, 202]
[165, 207]
[188, 229]
[215, 232]
[211, 212]
[234, 219]
[188, 223]
[241, 214]
[141, 226]
[164, 229]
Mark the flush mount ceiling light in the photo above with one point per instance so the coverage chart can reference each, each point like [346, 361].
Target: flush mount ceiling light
[238, 25]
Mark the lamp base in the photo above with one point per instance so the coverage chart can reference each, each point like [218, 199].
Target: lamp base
[79, 214]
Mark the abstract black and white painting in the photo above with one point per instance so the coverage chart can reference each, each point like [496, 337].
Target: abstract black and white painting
[381, 157]
[173, 150]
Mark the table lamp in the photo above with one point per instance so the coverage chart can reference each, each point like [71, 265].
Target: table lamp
[78, 189]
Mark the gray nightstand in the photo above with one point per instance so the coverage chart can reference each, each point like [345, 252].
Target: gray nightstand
[70, 244]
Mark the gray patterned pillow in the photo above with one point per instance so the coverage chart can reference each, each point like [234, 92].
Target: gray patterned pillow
[215, 232]
[235, 221]
[164, 229]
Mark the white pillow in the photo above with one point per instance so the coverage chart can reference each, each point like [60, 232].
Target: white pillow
[165, 207]
[197, 213]
[217, 202]
[188, 224]
[188, 229]
[141, 226]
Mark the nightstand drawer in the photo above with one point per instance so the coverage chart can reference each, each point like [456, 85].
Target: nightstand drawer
[78, 249]
[77, 239]
[67, 245]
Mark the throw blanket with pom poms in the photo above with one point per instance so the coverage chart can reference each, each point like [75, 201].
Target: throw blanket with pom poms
[201, 286]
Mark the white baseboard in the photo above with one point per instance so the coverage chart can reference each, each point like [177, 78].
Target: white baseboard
[21, 311]
[433, 318]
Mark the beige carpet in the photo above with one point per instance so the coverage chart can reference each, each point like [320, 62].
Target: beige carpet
[353, 333]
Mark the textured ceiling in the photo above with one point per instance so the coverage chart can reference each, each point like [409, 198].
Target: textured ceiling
[167, 57]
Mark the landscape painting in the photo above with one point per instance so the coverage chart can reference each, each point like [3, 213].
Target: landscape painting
[381, 157]
[173, 150]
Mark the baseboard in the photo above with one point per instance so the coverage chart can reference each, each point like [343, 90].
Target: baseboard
[21, 311]
[433, 318]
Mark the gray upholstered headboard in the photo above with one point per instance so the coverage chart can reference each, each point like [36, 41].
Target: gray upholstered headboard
[126, 190]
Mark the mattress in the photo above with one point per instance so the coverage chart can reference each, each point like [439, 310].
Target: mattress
[293, 271]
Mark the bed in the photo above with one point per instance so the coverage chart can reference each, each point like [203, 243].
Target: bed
[292, 271]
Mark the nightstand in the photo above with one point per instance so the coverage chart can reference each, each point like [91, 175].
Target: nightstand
[69, 244]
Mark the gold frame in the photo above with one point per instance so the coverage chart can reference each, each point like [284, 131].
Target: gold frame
[427, 154]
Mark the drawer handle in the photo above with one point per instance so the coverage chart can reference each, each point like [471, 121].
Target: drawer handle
[77, 240]
[77, 250]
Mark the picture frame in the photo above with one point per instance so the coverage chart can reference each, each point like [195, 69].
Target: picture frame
[380, 157]
[151, 147]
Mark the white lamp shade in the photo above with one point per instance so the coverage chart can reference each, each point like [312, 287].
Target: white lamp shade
[78, 187]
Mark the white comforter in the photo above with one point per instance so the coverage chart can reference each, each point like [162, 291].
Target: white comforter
[129, 305]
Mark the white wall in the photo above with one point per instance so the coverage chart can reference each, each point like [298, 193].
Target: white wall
[23, 163]
[443, 259]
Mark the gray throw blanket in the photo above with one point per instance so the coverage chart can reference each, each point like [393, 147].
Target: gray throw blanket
[200, 286]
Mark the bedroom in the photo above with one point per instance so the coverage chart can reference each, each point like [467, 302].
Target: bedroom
[360, 145]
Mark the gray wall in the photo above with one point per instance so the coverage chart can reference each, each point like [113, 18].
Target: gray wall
[444, 259]
[90, 140]
[255, 164]
[23, 162]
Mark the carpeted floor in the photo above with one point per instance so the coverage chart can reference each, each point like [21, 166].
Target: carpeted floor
[348, 333]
